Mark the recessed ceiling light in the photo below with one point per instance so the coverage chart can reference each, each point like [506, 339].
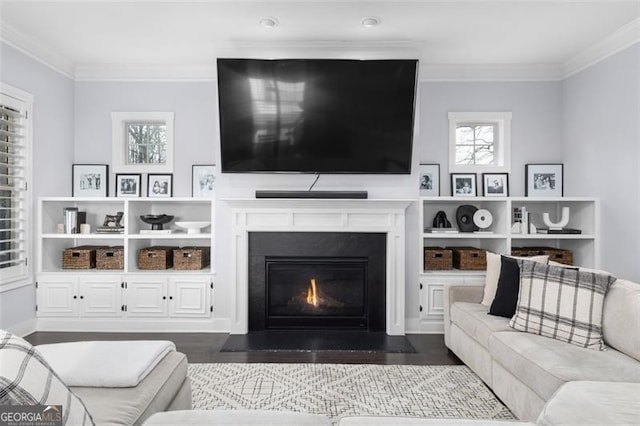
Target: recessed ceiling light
[269, 22]
[370, 22]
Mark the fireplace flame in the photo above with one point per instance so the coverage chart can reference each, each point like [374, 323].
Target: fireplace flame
[312, 294]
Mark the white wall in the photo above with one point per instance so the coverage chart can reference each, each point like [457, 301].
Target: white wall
[601, 152]
[52, 154]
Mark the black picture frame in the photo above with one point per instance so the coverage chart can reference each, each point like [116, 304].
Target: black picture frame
[429, 180]
[90, 180]
[544, 180]
[128, 185]
[160, 185]
[495, 184]
[464, 185]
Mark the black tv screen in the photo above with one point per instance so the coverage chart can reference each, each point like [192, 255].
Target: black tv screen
[316, 115]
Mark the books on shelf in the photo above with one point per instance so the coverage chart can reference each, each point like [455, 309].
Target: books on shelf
[442, 230]
[156, 231]
[559, 231]
[110, 230]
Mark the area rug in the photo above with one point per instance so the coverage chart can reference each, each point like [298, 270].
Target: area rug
[336, 390]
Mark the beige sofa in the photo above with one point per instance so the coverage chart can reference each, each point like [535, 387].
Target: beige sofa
[525, 370]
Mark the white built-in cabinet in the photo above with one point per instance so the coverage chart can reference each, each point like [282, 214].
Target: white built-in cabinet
[584, 215]
[130, 298]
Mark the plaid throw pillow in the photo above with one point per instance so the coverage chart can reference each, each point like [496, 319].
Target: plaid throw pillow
[561, 303]
[27, 379]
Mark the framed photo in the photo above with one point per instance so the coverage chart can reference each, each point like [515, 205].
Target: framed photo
[544, 180]
[90, 180]
[160, 185]
[203, 179]
[495, 184]
[463, 185]
[128, 185]
[429, 180]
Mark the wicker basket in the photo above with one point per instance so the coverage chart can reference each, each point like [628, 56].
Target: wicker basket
[555, 254]
[81, 257]
[155, 258]
[110, 257]
[191, 258]
[469, 258]
[437, 259]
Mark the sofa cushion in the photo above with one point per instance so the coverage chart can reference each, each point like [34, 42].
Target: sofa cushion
[504, 304]
[595, 403]
[494, 266]
[545, 364]
[562, 303]
[131, 406]
[237, 417]
[621, 318]
[27, 379]
[472, 318]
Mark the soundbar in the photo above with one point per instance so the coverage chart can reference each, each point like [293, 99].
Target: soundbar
[313, 194]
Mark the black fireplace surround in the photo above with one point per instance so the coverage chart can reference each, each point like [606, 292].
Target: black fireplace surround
[317, 280]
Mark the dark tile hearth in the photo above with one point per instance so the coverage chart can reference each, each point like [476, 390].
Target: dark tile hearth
[317, 340]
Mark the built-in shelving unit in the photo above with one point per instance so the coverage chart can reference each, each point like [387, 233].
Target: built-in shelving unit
[129, 298]
[584, 215]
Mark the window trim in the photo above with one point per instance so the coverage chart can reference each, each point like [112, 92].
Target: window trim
[118, 129]
[16, 279]
[502, 147]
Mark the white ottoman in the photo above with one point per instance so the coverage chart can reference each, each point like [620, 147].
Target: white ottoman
[237, 417]
[596, 403]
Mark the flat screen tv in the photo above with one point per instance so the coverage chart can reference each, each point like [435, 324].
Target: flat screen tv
[316, 115]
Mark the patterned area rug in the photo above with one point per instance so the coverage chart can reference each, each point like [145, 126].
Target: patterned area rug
[337, 390]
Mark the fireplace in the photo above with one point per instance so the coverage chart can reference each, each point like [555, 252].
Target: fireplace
[317, 280]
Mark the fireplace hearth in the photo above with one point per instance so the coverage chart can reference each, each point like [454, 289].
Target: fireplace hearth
[317, 280]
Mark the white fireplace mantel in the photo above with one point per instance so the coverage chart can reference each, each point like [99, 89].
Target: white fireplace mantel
[319, 215]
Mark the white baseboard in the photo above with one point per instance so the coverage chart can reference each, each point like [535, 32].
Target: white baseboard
[24, 328]
[138, 326]
[417, 326]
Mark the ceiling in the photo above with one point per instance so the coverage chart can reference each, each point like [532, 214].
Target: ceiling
[454, 39]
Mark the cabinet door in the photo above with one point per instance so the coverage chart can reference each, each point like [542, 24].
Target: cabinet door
[100, 296]
[146, 297]
[57, 296]
[189, 297]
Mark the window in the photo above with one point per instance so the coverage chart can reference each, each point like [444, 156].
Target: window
[480, 142]
[142, 142]
[15, 201]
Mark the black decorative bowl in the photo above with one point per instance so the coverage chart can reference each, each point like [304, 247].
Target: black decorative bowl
[156, 220]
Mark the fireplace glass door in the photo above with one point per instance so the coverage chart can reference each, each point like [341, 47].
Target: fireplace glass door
[316, 292]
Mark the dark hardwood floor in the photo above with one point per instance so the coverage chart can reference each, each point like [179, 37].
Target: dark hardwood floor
[205, 348]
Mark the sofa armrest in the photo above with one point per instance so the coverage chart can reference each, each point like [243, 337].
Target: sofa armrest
[459, 292]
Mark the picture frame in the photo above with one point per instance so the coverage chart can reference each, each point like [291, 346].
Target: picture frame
[463, 185]
[495, 184]
[203, 178]
[90, 180]
[160, 185]
[544, 180]
[128, 185]
[429, 182]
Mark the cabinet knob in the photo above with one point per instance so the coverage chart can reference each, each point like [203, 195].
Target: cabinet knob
[420, 308]
[81, 297]
[170, 297]
[75, 297]
[164, 297]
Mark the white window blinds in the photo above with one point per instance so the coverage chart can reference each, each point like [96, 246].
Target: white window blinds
[14, 201]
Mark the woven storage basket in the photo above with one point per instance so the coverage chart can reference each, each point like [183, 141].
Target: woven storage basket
[557, 255]
[190, 258]
[524, 251]
[155, 258]
[110, 257]
[437, 259]
[469, 258]
[81, 257]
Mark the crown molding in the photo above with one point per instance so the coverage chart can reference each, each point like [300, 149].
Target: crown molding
[36, 50]
[624, 37]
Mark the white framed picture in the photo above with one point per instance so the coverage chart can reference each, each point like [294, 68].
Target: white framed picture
[203, 180]
[495, 184]
[429, 180]
[160, 185]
